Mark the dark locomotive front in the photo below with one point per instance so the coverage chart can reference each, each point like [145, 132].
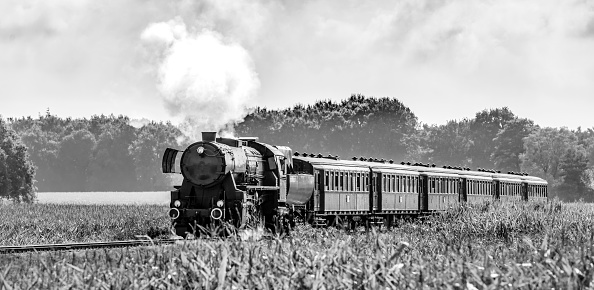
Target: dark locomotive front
[236, 181]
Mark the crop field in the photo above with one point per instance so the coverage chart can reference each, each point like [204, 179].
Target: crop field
[491, 246]
[25, 224]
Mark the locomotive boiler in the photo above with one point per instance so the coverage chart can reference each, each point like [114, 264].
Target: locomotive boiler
[237, 181]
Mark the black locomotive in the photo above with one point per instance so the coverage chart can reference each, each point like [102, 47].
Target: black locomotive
[242, 182]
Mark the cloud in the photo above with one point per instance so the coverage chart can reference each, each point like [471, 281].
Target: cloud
[460, 56]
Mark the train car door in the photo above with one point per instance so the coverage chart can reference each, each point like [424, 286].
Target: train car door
[423, 193]
[375, 186]
[318, 190]
[524, 190]
[497, 192]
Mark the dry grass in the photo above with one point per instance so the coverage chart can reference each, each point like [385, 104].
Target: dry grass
[492, 246]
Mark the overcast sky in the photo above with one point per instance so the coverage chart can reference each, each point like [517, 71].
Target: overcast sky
[207, 61]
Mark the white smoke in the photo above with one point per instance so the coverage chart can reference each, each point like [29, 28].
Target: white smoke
[207, 81]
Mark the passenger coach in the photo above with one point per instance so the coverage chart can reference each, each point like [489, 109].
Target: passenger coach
[349, 191]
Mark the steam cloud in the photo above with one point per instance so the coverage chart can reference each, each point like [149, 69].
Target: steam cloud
[205, 79]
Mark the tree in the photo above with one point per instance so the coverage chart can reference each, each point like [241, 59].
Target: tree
[16, 170]
[573, 166]
[147, 149]
[544, 149]
[112, 166]
[74, 156]
[483, 129]
[43, 150]
[509, 144]
[449, 143]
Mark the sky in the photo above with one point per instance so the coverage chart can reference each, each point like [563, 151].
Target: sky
[204, 63]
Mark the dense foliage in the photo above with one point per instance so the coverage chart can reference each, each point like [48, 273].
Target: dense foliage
[107, 153]
[489, 246]
[104, 153]
[16, 170]
[357, 126]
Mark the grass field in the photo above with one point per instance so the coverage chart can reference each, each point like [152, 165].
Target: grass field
[61, 223]
[491, 246]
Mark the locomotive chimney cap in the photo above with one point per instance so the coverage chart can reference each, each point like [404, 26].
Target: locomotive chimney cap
[209, 136]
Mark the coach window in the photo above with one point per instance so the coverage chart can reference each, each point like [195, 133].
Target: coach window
[347, 181]
[336, 184]
[408, 184]
[327, 184]
[392, 182]
[452, 186]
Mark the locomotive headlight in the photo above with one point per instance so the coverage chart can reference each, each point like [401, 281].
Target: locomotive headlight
[200, 150]
[177, 203]
[220, 203]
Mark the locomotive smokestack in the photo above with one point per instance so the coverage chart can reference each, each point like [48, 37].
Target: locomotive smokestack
[209, 136]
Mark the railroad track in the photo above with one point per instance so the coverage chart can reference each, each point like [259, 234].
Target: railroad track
[82, 246]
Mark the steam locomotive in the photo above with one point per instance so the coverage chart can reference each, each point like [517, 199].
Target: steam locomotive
[241, 181]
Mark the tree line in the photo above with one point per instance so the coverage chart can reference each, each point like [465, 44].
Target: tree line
[103, 153]
[107, 153]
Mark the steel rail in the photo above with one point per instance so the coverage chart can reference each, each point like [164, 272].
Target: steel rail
[82, 246]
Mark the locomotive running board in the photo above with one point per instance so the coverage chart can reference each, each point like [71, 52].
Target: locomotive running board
[262, 187]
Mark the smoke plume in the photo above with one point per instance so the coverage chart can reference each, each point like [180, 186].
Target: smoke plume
[207, 81]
